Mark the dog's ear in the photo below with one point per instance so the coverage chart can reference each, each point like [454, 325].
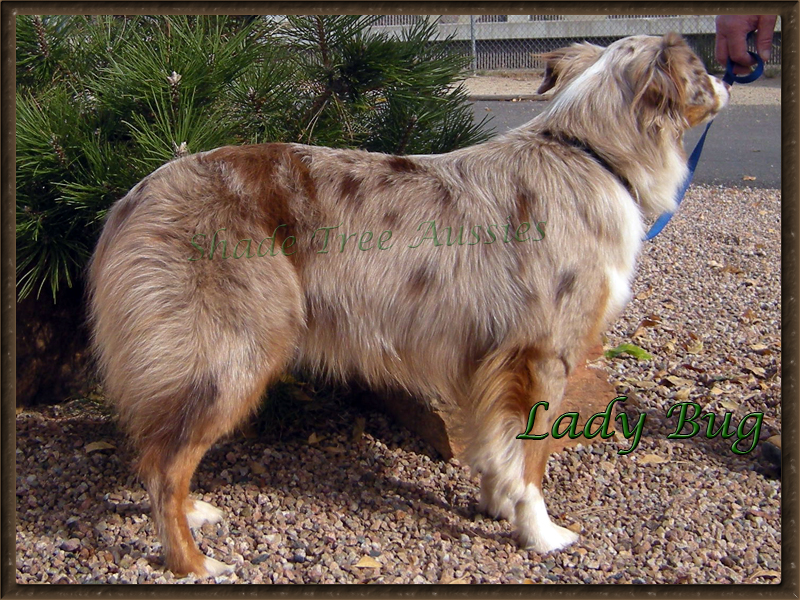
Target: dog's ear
[564, 64]
[658, 88]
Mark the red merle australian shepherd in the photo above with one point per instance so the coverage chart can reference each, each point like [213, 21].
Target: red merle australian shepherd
[188, 340]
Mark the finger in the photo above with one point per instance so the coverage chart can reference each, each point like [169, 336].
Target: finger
[721, 49]
[737, 51]
[766, 26]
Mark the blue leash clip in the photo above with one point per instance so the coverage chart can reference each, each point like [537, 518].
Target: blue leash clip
[730, 78]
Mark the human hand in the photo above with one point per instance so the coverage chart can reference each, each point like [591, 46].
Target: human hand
[731, 40]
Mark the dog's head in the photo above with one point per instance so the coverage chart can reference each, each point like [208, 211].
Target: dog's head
[631, 103]
[659, 78]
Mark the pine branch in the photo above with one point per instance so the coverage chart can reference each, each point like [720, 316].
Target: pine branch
[401, 147]
[104, 100]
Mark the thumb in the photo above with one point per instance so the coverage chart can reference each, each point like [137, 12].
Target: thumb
[766, 26]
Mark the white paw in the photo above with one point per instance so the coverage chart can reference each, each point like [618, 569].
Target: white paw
[535, 529]
[201, 513]
[214, 568]
[550, 539]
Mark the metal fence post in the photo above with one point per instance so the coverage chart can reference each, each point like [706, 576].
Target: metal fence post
[472, 44]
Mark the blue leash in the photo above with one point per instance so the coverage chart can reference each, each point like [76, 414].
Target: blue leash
[730, 79]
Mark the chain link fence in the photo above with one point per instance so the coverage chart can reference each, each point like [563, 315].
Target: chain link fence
[516, 42]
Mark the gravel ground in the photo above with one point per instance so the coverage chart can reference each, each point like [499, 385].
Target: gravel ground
[370, 503]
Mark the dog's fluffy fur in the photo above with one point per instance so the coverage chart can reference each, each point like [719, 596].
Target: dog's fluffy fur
[187, 347]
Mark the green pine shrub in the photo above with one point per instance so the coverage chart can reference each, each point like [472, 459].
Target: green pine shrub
[104, 100]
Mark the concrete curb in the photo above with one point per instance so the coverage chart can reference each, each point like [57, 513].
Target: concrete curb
[507, 97]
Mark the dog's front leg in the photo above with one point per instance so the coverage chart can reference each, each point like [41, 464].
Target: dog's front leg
[507, 385]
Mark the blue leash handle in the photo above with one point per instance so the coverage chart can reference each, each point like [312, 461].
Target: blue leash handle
[730, 78]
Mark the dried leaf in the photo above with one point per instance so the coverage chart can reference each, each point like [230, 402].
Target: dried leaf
[683, 394]
[642, 384]
[575, 527]
[358, 428]
[631, 349]
[729, 405]
[367, 562]
[757, 371]
[645, 294]
[466, 579]
[764, 573]
[95, 446]
[315, 439]
[695, 347]
[678, 381]
[732, 269]
[652, 459]
[748, 178]
[715, 391]
[526, 581]
[761, 349]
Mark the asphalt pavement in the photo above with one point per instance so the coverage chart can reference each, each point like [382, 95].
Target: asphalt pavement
[744, 141]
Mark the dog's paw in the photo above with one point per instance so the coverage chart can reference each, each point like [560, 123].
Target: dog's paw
[215, 568]
[549, 538]
[497, 506]
[202, 513]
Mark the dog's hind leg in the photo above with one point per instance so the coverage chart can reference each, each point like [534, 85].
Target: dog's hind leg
[506, 386]
[235, 364]
[167, 464]
[187, 368]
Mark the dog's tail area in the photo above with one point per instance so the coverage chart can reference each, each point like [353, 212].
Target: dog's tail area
[186, 348]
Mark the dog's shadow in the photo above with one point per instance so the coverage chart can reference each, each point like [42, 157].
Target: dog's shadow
[371, 470]
[718, 449]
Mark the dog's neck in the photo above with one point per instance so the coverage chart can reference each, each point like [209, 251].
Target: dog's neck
[591, 152]
[648, 161]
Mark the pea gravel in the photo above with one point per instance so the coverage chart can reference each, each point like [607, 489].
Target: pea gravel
[380, 507]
